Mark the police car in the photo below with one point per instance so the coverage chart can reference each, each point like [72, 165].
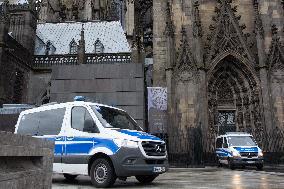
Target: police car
[96, 140]
[238, 149]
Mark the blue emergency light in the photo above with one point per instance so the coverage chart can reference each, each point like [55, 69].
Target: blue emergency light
[79, 98]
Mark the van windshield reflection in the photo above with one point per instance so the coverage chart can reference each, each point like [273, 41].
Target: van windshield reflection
[241, 141]
[113, 118]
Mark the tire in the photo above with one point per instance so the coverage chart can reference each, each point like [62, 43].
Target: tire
[259, 166]
[219, 165]
[102, 173]
[146, 179]
[231, 165]
[69, 177]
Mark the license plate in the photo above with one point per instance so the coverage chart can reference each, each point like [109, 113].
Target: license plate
[159, 169]
[250, 162]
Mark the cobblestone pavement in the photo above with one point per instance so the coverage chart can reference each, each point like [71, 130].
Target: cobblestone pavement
[210, 177]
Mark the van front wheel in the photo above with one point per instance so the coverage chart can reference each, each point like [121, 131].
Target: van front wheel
[146, 179]
[102, 173]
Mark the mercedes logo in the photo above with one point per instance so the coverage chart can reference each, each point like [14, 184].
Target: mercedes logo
[158, 148]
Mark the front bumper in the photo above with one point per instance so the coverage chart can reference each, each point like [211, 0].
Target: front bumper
[247, 161]
[131, 162]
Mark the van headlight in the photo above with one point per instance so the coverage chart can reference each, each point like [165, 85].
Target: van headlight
[126, 143]
[260, 154]
[236, 154]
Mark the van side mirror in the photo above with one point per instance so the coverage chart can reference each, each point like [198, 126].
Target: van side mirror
[225, 145]
[90, 126]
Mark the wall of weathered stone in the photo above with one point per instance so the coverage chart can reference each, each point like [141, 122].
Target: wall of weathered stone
[277, 93]
[119, 85]
[25, 162]
[186, 103]
[159, 43]
[271, 13]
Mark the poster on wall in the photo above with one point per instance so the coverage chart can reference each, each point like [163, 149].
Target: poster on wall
[157, 110]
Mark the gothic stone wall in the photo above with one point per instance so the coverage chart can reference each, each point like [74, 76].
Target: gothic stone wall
[248, 47]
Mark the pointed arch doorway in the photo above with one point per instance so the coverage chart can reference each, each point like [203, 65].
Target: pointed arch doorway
[233, 95]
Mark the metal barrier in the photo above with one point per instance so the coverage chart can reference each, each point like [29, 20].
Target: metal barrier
[190, 148]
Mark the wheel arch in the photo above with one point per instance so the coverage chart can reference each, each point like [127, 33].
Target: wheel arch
[97, 156]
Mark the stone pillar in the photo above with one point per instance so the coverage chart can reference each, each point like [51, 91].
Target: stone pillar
[170, 57]
[159, 42]
[29, 31]
[4, 29]
[81, 48]
[265, 92]
[202, 121]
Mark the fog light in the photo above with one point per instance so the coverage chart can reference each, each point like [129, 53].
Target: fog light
[130, 161]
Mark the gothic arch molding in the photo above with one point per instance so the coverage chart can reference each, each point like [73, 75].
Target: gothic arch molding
[241, 60]
[233, 90]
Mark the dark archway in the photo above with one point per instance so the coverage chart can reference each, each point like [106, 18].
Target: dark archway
[233, 95]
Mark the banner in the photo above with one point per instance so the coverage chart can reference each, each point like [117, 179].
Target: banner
[157, 109]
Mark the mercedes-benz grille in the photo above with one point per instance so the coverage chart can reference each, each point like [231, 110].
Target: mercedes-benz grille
[154, 148]
[249, 154]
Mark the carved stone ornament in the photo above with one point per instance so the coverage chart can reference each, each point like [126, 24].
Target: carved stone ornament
[258, 22]
[197, 28]
[276, 53]
[227, 34]
[185, 68]
[169, 31]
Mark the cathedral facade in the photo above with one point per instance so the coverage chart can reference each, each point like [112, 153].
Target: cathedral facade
[222, 62]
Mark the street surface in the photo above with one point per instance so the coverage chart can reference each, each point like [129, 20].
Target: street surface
[209, 177]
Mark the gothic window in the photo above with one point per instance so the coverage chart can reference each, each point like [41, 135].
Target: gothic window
[99, 47]
[73, 47]
[226, 122]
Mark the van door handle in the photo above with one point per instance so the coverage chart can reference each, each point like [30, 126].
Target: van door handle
[70, 138]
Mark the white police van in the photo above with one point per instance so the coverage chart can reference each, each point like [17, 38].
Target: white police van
[96, 140]
[238, 149]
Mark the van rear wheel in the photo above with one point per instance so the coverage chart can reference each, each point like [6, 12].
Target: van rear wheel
[231, 165]
[259, 166]
[146, 179]
[69, 177]
[102, 173]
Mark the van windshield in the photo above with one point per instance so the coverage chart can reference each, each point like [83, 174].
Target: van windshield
[241, 141]
[113, 118]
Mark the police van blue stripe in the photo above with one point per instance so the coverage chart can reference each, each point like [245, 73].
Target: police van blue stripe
[82, 145]
[244, 149]
[140, 135]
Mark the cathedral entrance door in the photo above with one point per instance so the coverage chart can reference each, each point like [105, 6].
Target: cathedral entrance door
[226, 121]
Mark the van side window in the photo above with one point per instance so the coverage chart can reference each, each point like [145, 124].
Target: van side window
[47, 122]
[82, 120]
[219, 143]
